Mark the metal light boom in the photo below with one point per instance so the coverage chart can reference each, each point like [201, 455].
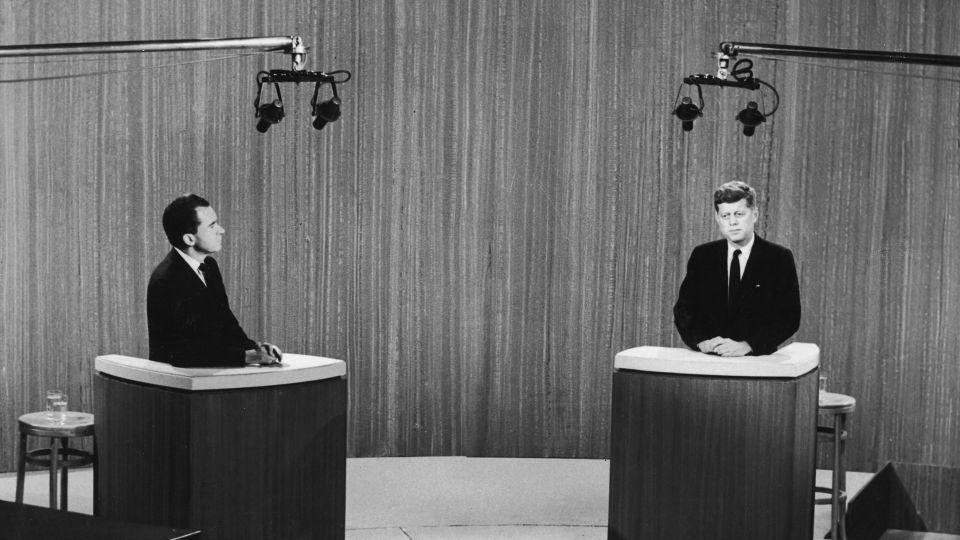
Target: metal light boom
[291, 45]
[268, 113]
[733, 48]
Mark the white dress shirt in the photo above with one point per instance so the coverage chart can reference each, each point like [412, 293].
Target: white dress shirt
[195, 264]
[744, 255]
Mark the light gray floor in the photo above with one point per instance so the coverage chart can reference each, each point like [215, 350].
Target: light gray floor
[455, 498]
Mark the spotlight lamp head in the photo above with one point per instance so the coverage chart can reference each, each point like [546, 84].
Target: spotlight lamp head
[269, 113]
[687, 112]
[327, 111]
[751, 117]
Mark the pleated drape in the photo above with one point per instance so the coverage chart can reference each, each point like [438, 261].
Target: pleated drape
[505, 203]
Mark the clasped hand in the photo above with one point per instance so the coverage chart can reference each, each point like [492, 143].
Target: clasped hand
[724, 347]
[264, 354]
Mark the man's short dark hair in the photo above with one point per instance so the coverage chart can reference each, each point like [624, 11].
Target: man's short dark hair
[732, 192]
[180, 218]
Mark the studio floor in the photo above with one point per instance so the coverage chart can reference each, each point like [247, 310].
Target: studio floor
[455, 498]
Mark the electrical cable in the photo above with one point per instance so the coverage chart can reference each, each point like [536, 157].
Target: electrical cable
[746, 73]
[131, 70]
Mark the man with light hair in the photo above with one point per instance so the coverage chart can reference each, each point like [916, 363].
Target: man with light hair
[740, 295]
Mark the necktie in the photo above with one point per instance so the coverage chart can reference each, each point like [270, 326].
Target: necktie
[203, 271]
[734, 284]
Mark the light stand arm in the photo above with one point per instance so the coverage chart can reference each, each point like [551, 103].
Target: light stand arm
[733, 48]
[291, 45]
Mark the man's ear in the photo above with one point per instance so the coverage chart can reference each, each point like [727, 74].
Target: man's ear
[189, 239]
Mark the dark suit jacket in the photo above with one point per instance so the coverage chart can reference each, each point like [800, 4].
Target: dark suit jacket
[768, 308]
[191, 325]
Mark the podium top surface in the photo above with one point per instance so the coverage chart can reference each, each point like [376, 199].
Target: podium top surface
[791, 361]
[296, 368]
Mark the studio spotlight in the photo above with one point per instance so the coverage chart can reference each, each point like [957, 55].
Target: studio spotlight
[687, 112]
[328, 111]
[269, 114]
[750, 117]
[324, 112]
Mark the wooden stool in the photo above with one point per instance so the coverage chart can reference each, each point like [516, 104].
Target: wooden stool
[41, 424]
[838, 406]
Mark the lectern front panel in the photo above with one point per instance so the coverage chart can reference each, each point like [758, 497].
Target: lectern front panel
[254, 462]
[705, 456]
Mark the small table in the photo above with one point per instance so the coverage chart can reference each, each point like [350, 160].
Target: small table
[59, 455]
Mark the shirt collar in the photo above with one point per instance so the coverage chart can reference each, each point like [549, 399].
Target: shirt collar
[745, 250]
[194, 264]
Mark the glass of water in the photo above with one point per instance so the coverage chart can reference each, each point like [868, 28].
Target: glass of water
[53, 396]
[56, 406]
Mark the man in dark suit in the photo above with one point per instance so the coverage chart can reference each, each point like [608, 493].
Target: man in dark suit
[741, 294]
[188, 314]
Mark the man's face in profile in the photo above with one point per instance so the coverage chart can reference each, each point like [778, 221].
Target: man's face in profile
[736, 221]
[209, 237]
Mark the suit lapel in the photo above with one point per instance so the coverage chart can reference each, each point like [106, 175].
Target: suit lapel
[184, 274]
[722, 282]
[757, 258]
[215, 278]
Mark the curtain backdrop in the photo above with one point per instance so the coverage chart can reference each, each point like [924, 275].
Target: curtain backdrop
[505, 203]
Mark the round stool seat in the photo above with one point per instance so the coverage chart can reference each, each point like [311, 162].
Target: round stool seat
[59, 428]
[836, 403]
[41, 424]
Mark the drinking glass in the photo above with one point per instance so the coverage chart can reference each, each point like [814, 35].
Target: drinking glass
[53, 396]
[60, 409]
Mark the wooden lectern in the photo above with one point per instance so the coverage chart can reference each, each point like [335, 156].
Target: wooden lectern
[251, 452]
[705, 447]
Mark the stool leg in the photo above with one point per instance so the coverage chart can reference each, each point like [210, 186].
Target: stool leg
[63, 473]
[842, 477]
[96, 482]
[837, 475]
[54, 464]
[21, 467]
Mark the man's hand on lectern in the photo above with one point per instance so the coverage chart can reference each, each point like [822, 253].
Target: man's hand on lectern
[256, 357]
[708, 345]
[264, 355]
[729, 347]
[271, 350]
